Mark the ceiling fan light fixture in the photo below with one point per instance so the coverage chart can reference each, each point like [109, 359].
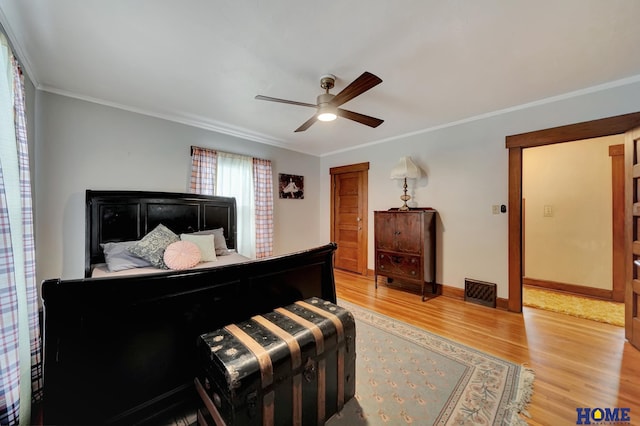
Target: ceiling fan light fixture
[327, 113]
[328, 105]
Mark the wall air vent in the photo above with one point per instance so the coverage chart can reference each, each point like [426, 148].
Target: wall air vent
[480, 292]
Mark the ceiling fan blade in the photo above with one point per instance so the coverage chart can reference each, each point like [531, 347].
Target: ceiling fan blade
[357, 87]
[284, 101]
[360, 118]
[307, 124]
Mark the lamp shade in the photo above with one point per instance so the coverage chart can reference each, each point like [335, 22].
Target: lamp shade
[405, 168]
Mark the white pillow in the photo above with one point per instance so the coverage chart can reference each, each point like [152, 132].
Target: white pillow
[205, 243]
[218, 240]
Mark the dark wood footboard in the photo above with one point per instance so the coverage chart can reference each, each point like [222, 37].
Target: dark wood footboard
[123, 350]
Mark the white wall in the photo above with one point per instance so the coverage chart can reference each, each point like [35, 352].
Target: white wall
[572, 241]
[82, 145]
[467, 173]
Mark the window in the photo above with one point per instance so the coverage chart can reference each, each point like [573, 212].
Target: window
[247, 179]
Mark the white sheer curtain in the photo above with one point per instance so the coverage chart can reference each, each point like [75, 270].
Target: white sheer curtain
[20, 366]
[234, 178]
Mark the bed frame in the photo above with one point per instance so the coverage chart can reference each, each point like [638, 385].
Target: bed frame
[123, 350]
[113, 216]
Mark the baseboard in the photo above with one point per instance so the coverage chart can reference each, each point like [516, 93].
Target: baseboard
[596, 293]
[454, 292]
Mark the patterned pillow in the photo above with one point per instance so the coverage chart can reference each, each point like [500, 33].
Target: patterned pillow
[152, 246]
[181, 255]
[204, 243]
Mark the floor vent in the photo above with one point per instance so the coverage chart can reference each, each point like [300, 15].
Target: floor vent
[480, 292]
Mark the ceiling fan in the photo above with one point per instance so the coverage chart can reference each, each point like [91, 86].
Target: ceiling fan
[327, 104]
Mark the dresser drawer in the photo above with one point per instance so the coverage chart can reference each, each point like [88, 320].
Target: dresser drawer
[399, 266]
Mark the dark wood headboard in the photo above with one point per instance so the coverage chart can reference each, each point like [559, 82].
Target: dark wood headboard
[113, 216]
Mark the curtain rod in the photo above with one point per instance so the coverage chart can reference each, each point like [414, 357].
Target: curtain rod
[13, 51]
[225, 152]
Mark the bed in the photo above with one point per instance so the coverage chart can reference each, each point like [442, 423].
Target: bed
[122, 349]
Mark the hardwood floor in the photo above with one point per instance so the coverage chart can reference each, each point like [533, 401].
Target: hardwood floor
[577, 362]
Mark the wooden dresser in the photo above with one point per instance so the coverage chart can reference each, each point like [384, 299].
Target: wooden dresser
[405, 246]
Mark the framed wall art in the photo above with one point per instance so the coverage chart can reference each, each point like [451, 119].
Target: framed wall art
[291, 186]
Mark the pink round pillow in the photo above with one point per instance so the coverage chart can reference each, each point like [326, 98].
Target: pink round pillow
[182, 255]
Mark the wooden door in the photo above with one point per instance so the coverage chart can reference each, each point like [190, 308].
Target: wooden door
[632, 234]
[349, 187]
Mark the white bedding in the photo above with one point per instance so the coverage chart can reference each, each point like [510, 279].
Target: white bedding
[100, 269]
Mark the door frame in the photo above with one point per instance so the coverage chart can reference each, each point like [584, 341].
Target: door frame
[618, 215]
[515, 144]
[364, 199]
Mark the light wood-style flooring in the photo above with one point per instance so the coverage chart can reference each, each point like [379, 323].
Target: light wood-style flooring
[577, 362]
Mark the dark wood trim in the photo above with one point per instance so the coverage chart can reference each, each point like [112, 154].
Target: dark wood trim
[616, 152]
[579, 290]
[515, 143]
[502, 303]
[573, 132]
[360, 167]
[515, 229]
[365, 220]
[458, 293]
[453, 292]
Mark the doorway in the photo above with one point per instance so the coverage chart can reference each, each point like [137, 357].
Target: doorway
[349, 216]
[573, 198]
[515, 144]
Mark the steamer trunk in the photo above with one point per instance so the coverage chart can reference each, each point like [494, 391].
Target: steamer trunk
[292, 366]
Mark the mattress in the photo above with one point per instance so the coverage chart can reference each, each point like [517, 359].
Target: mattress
[100, 270]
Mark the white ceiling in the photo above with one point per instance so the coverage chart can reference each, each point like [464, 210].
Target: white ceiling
[202, 62]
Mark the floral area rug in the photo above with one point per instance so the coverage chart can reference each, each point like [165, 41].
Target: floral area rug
[582, 307]
[406, 375]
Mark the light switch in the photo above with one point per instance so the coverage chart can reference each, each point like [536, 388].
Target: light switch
[548, 211]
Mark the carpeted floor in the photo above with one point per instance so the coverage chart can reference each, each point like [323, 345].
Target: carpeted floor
[582, 307]
[406, 375]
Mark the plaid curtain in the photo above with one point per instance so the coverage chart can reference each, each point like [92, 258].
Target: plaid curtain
[263, 184]
[20, 357]
[28, 233]
[203, 171]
